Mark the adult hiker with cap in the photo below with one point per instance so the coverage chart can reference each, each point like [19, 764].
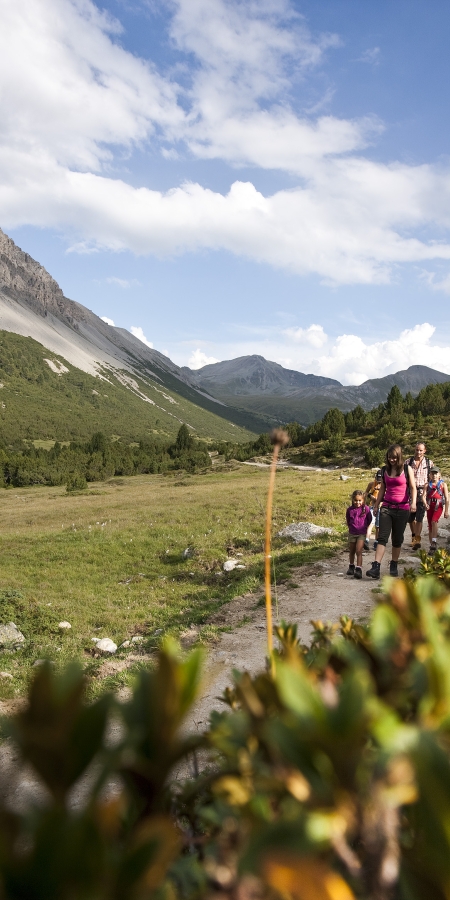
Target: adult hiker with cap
[396, 500]
[421, 465]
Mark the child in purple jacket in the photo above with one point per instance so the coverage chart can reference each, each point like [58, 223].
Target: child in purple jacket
[359, 517]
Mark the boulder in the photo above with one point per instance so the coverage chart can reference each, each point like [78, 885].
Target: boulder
[300, 532]
[10, 637]
[106, 645]
[229, 565]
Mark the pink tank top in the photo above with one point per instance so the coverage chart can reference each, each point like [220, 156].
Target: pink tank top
[396, 493]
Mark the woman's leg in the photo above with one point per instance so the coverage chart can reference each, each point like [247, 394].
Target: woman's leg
[399, 521]
[384, 532]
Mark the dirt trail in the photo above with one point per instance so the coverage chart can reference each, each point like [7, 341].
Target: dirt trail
[323, 592]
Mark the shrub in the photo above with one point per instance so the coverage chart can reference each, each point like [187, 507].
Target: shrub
[76, 482]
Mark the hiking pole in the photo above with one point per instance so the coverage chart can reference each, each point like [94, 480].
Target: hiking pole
[278, 439]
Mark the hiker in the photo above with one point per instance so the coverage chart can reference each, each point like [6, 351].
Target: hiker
[436, 500]
[396, 500]
[358, 516]
[421, 465]
[370, 497]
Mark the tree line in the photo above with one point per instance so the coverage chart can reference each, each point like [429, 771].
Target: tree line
[77, 463]
[385, 424]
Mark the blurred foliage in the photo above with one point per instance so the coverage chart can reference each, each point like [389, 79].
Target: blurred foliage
[327, 780]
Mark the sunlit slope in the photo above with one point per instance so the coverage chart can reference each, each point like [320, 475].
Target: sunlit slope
[45, 397]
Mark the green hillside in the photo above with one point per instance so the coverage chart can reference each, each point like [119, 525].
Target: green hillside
[36, 403]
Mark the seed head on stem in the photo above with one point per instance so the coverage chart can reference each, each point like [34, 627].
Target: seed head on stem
[279, 439]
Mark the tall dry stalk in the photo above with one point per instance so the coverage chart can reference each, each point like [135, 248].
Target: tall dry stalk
[279, 439]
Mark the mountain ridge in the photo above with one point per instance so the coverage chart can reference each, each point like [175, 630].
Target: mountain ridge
[305, 398]
[249, 392]
[33, 305]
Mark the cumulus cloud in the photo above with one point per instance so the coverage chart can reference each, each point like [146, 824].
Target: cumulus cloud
[139, 334]
[349, 219]
[199, 359]
[314, 335]
[108, 321]
[353, 361]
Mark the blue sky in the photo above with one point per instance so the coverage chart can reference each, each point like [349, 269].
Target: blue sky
[228, 177]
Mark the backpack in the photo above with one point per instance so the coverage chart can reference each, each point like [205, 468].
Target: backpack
[440, 491]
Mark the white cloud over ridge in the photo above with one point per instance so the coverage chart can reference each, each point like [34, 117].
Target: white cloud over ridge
[138, 333]
[71, 99]
[348, 358]
[199, 359]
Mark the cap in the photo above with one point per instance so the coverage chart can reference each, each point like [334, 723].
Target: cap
[434, 469]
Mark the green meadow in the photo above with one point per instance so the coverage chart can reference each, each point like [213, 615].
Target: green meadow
[110, 560]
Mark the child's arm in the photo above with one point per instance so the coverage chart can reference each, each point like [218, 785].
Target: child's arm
[380, 496]
[347, 517]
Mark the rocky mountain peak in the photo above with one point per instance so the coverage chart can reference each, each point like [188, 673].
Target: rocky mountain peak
[26, 281]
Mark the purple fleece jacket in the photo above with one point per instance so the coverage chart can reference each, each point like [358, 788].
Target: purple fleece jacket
[358, 519]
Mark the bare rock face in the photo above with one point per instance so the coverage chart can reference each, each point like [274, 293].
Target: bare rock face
[10, 637]
[25, 280]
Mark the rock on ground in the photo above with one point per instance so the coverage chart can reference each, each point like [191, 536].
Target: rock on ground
[106, 645]
[300, 532]
[10, 637]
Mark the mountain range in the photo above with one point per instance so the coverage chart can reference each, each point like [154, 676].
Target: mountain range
[252, 382]
[75, 370]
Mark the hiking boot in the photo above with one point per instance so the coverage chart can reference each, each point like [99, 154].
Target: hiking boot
[374, 571]
[350, 570]
[375, 545]
[393, 569]
[432, 549]
[366, 545]
[416, 543]
[358, 572]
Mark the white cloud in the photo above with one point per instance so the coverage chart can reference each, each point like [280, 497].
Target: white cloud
[71, 98]
[199, 359]
[314, 335]
[124, 283]
[139, 334]
[108, 321]
[371, 55]
[352, 361]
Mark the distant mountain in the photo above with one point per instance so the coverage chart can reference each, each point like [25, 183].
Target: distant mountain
[33, 305]
[266, 388]
[250, 375]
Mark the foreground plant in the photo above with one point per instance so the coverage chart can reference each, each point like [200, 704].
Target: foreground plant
[328, 777]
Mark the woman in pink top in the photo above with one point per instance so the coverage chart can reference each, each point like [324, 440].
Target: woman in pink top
[397, 498]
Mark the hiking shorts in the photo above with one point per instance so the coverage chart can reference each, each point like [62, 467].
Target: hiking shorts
[353, 539]
[392, 520]
[434, 513]
[418, 515]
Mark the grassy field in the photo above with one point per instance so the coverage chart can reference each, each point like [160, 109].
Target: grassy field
[110, 561]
